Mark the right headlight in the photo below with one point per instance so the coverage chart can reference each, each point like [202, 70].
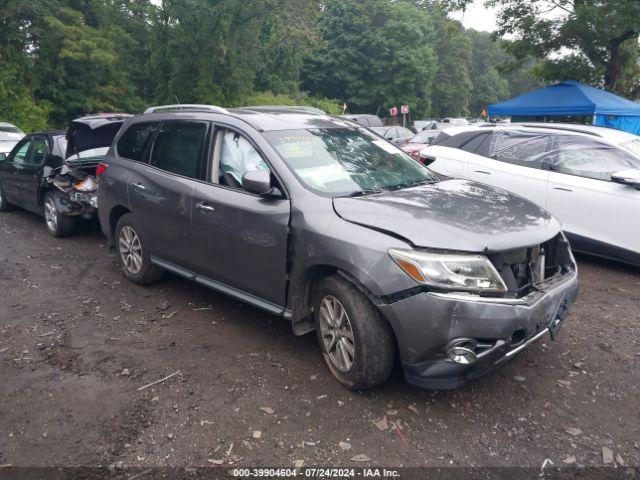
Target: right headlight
[450, 271]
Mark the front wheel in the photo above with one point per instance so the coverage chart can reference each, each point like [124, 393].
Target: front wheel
[357, 345]
[58, 225]
[133, 254]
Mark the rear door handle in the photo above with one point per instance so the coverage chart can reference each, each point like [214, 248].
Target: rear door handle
[138, 186]
[205, 207]
[483, 171]
[563, 189]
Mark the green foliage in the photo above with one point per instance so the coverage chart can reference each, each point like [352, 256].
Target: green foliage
[452, 85]
[375, 54]
[65, 58]
[332, 107]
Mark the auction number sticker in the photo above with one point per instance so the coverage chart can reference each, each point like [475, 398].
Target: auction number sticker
[316, 472]
[292, 472]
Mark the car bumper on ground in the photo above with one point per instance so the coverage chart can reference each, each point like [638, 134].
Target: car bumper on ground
[431, 326]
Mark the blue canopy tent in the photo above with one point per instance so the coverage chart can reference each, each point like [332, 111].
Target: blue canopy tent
[574, 98]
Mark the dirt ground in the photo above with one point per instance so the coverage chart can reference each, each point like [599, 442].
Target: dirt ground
[77, 341]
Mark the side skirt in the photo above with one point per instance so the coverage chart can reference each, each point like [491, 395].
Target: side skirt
[222, 288]
[599, 249]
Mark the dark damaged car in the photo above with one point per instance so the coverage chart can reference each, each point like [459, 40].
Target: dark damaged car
[54, 173]
[322, 222]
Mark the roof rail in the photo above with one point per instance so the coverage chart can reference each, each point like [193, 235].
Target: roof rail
[293, 108]
[556, 126]
[186, 108]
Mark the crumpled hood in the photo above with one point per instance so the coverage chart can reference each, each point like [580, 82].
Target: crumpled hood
[453, 215]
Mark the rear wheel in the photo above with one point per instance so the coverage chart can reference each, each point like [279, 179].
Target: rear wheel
[132, 253]
[4, 205]
[357, 345]
[58, 225]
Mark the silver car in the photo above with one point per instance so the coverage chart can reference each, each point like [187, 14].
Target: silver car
[319, 221]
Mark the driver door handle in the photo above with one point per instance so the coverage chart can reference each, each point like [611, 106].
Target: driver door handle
[139, 186]
[205, 207]
[563, 189]
[483, 171]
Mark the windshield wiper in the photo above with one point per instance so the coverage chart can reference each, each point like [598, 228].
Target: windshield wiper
[368, 191]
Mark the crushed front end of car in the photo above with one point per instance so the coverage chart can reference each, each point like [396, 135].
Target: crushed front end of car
[477, 332]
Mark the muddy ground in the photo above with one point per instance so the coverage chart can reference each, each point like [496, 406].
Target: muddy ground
[77, 341]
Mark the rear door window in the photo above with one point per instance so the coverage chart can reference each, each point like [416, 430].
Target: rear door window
[38, 152]
[528, 149]
[477, 144]
[133, 143]
[179, 146]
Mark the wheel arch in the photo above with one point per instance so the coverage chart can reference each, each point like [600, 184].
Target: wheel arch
[304, 287]
[114, 215]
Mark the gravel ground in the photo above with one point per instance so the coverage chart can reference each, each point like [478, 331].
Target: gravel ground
[77, 341]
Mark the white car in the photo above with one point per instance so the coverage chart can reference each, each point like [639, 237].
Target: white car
[588, 177]
[9, 136]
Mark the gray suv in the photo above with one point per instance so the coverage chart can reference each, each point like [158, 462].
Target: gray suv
[316, 219]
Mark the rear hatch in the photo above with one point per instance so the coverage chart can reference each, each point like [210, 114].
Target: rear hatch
[89, 138]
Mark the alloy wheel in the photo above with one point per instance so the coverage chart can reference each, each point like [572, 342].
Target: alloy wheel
[337, 333]
[130, 250]
[51, 214]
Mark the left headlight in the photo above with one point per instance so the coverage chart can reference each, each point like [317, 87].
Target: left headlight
[450, 271]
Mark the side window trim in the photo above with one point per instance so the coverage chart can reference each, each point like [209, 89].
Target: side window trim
[219, 127]
[144, 158]
[30, 153]
[203, 153]
[28, 141]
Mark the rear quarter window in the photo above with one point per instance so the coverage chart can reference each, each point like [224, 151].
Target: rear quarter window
[133, 142]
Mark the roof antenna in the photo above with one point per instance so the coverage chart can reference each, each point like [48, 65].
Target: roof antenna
[177, 100]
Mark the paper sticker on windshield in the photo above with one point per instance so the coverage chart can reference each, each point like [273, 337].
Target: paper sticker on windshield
[296, 146]
[387, 147]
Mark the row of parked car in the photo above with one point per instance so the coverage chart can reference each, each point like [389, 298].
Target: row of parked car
[316, 219]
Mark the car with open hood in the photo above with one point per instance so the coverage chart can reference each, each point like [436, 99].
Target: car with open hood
[53, 173]
[320, 221]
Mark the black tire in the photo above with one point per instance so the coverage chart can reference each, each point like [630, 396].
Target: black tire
[4, 205]
[144, 273]
[58, 225]
[373, 341]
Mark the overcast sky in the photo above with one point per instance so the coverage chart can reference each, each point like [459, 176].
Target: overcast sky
[477, 16]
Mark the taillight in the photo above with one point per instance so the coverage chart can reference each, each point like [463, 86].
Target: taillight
[101, 168]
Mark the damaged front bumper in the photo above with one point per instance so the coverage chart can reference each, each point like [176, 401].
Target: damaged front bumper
[448, 339]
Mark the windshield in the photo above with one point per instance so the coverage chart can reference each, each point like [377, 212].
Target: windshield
[342, 162]
[633, 146]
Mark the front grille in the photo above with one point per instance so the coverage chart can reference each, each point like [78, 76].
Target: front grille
[522, 269]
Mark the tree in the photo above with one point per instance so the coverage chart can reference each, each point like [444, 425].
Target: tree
[585, 39]
[487, 56]
[452, 85]
[374, 54]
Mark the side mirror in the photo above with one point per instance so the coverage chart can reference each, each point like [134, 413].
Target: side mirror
[3, 157]
[627, 177]
[257, 181]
